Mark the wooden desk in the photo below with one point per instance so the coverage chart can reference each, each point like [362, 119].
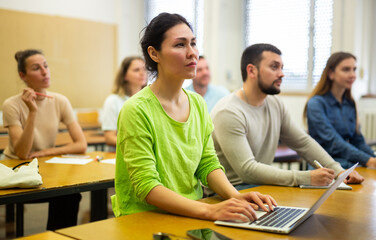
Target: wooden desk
[45, 236]
[3, 142]
[369, 184]
[84, 126]
[93, 137]
[344, 215]
[371, 143]
[3, 130]
[63, 128]
[285, 154]
[62, 179]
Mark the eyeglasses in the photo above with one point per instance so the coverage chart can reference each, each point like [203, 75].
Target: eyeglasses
[167, 236]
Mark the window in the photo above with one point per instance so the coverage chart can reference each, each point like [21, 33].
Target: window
[301, 29]
[192, 10]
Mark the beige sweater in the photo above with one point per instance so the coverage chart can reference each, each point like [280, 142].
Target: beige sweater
[51, 111]
[246, 139]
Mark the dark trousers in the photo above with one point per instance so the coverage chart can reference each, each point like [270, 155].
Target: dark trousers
[63, 211]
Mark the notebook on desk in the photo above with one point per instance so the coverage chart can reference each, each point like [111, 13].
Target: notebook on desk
[285, 219]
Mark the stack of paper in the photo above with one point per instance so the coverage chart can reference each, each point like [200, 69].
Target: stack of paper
[80, 161]
[342, 186]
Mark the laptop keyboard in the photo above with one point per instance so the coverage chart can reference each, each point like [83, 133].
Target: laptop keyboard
[280, 217]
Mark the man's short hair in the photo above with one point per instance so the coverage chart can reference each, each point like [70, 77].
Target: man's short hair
[253, 55]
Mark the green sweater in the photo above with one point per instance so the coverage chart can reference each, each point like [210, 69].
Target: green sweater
[153, 149]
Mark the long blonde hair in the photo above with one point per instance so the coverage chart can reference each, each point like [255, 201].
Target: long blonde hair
[325, 83]
[121, 87]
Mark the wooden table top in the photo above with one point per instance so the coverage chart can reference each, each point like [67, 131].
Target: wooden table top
[93, 137]
[285, 154]
[45, 236]
[369, 184]
[3, 130]
[344, 215]
[3, 142]
[63, 127]
[65, 175]
[84, 126]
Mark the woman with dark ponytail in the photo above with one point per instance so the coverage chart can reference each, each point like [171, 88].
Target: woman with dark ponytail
[164, 145]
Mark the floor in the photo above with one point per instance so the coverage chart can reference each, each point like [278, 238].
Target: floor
[35, 215]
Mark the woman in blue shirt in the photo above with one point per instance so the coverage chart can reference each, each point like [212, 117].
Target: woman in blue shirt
[332, 116]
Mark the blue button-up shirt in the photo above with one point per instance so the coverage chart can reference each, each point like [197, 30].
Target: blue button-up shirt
[212, 95]
[333, 125]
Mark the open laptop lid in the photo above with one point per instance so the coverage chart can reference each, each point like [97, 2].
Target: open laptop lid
[326, 194]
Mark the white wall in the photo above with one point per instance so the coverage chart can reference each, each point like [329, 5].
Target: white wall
[128, 15]
[353, 30]
[130, 18]
[372, 85]
[223, 40]
[295, 106]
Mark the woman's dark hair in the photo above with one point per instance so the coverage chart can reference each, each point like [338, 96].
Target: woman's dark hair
[121, 87]
[21, 57]
[155, 34]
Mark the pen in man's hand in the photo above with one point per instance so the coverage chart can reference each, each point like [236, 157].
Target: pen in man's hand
[317, 164]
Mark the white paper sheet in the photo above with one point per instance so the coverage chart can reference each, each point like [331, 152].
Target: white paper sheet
[109, 161]
[342, 186]
[75, 156]
[80, 161]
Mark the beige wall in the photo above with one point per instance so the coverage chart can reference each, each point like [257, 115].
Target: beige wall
[82, 55]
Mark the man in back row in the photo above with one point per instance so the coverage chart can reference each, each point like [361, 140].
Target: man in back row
[250, 122]
[201, 85]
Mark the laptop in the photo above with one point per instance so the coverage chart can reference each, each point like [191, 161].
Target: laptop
[285, 219]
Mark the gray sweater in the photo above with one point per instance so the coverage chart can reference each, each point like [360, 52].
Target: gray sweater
[246, 138]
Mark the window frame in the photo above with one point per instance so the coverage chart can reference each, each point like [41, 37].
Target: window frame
[311, 52]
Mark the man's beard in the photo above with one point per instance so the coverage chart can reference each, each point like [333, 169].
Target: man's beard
[270, 90]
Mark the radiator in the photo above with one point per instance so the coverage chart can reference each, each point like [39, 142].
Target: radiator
[291, 165]
[368, 125]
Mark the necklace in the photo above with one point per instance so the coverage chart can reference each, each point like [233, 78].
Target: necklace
[245, 96]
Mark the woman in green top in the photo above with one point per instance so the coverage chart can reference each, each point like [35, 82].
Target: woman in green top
[164, 146]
